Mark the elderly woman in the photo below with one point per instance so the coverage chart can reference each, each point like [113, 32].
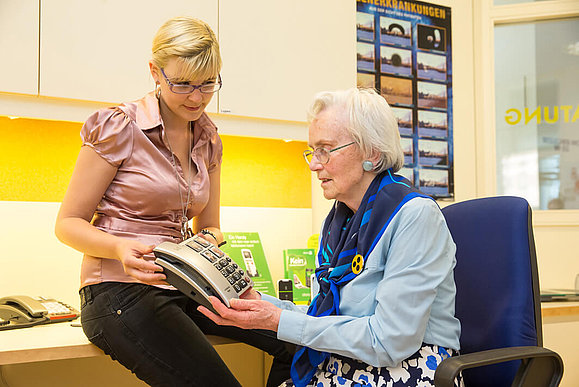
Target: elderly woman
[384, 314]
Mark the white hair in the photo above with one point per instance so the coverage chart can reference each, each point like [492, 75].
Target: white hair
[370, 122]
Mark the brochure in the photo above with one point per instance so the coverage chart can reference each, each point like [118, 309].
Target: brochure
[246, 250]
[299, 265]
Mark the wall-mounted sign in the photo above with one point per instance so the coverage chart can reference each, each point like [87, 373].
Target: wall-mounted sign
[404, 52]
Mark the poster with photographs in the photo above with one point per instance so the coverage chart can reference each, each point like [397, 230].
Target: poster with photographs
[404, 52]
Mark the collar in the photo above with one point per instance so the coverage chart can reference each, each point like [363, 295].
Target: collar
[147, 115]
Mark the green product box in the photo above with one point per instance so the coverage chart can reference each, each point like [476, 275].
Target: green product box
[300, 264]
[245, 249]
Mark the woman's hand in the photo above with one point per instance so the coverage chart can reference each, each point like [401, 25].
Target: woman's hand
[244, 313]
[131, 254]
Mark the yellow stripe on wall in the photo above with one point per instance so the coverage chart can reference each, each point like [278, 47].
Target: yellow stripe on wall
[37, 158]
[264, 173]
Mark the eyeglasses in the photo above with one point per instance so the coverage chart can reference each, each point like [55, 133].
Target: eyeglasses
[185, 88]
[322, 154]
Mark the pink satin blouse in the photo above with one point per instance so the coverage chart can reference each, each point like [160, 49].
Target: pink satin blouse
[142, 202]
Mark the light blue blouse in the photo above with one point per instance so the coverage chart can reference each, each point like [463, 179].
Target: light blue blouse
[404, 296]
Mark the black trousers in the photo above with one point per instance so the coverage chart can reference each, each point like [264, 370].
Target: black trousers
[159, 335]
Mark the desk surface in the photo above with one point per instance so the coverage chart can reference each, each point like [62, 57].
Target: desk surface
[63, 341]
[54, 342]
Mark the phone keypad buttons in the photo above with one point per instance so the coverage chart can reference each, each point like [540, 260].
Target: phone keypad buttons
[54, 307]
[218, 253]
[195, 246]
[221, 261]
[202, 242]
[208, 256]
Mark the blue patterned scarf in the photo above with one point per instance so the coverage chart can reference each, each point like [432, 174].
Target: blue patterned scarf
[347, 240]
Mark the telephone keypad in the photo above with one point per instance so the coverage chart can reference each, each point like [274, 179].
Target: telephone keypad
[208, 256]
[222, 262]
[218, 253]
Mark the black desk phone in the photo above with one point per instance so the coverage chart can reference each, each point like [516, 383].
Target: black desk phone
[199, 269]
[25, 311]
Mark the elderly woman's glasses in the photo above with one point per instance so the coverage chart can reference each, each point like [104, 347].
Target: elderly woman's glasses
[186, 88]
[322, 154]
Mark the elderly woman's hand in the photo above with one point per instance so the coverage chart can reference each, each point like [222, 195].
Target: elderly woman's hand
[244, 313]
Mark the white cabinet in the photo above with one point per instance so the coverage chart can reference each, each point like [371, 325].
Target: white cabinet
[99, 50]
[278, 54]
[19, 46]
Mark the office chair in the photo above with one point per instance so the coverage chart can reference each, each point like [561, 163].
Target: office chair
[497, 298]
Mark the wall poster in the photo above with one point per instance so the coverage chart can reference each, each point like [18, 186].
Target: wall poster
[404, 52]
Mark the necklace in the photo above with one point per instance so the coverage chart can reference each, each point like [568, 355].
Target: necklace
[186, 232]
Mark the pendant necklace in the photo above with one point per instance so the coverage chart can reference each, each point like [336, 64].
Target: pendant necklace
[186, 231]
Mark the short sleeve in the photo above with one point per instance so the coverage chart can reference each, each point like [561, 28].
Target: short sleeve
[215, 153]
[109, 133]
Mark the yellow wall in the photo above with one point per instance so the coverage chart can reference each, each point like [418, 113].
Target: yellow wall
[37, 158]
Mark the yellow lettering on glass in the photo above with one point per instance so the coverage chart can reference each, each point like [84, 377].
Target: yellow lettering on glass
[513, 116]
[555, 115]
[513, 119]
[536, 113]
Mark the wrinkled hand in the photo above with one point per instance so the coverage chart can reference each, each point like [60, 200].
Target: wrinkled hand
[131, 254]
[244, 313]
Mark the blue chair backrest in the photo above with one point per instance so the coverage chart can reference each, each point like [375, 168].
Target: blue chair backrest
[497, 298]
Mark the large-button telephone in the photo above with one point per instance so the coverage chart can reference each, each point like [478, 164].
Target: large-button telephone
[25, 311]
[199, 269]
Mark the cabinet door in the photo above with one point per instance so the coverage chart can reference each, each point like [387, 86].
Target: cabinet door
[19, 46]
[99, 50]
[278, 54]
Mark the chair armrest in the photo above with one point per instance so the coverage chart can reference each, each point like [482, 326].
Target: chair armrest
[450, 367]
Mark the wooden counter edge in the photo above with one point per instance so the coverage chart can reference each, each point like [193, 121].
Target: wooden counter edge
[71, 352]
[560, 310]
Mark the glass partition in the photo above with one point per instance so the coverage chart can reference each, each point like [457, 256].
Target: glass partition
[537, 112]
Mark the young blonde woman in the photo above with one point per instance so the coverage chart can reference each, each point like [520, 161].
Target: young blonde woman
[145, 169]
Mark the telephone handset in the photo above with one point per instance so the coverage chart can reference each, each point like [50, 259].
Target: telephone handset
[199, 269]
[25, 311]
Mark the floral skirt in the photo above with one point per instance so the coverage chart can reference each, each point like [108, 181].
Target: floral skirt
[417, 370]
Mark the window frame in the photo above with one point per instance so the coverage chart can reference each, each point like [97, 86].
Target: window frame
[487, 17]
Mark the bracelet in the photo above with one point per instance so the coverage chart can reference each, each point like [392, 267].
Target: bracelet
[207, 232]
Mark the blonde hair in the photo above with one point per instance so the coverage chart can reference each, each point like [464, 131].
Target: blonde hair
[369, 120]
[192, 42]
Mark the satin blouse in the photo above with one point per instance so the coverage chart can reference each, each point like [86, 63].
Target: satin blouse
[142, 202]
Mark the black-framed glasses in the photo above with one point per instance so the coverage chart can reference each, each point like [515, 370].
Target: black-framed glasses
[186, 88]
[322, 154]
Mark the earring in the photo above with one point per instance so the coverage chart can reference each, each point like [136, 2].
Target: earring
[158, 90]
[367, 165]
